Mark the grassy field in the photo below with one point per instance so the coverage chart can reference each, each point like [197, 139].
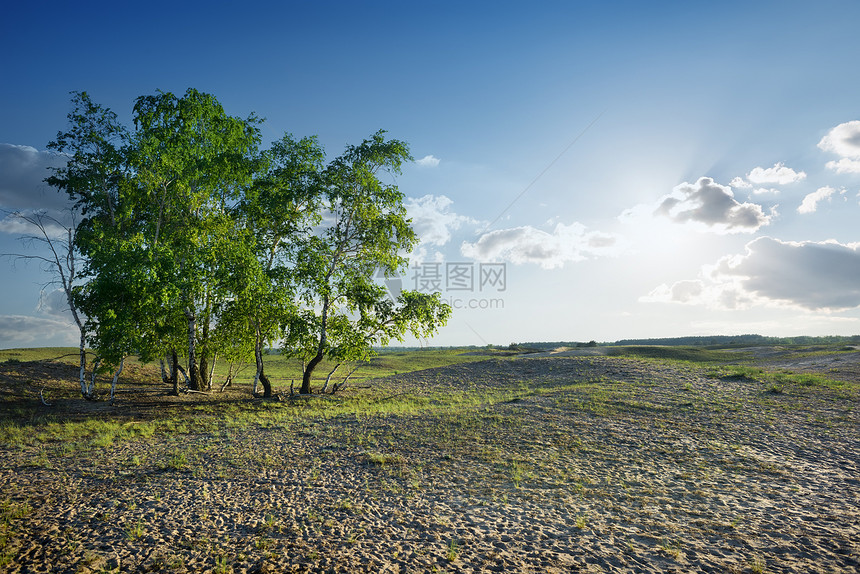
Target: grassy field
[637, 458]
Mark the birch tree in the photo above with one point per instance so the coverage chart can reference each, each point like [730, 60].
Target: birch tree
[192, 162]
[55, 248]
[283, 204]
[364, 230]
[95, 168]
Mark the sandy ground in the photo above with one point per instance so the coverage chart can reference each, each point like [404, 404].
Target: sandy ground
[595, 464]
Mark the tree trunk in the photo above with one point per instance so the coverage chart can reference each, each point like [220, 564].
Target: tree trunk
[261, 375]
[211, 372]
[306, 377]
[195, 382]
[204, 372]
[165, 378]
[86, 390]
[328, 379]
[115, 378]
[174, 371]
[267, 385]
[312, 364]
[229, 380]
[91, 393]
[193, 371]
[339, 386]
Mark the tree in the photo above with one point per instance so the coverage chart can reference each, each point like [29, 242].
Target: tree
[192, 163]
[365, 230]
[61, 259]
[192, 238]
[282, 204]
[354, 340]
[92, 175]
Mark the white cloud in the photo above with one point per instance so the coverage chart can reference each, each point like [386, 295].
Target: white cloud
[713, 207]
[701, 292]
[421, 256]
[741, 183]
[778, 174]
[55, 304]
[810, 275]
[433, 220]
[765, 191]
[566, 243]
[844, 165]
[811, 201]
[824, 275]
[428, 161]
[22, 171]
[843, 140]
[24, 223]
[21, 331]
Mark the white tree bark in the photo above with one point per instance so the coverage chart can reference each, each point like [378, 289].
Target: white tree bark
[115, 377]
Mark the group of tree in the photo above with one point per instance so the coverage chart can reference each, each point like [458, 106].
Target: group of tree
[195, 242]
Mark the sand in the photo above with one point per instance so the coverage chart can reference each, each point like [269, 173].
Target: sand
[607, 465]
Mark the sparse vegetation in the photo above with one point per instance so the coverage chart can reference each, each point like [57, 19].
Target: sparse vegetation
[414, 465]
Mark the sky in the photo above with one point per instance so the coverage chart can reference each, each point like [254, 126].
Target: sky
[583, 170]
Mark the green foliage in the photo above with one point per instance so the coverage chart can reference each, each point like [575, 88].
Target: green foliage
[343, 311]
[194, 238]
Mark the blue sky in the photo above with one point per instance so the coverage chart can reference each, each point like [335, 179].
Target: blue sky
[640, 169]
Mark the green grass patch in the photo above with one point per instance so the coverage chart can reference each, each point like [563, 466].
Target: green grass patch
[383, 459]
[79, 435]
[687, 354]
[777, 381]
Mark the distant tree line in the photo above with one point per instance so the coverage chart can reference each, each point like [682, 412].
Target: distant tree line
[706, 341]
[195, 242]
[727, 340]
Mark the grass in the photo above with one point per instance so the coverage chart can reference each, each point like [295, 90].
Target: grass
[382, 459]
[135, 531]
[282, 369]
[777, 381]
[686, 354]
[600, 396]
[178, 461]
[453, 550]
[584, 434]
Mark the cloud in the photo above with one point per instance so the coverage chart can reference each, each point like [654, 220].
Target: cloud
[566, 243]
[26, 223]
[21, 331]
[433, 220]
[843, 140]
[811, 201]
[22, 171]
[55, 304]
[813, 275]
[428, 161]
[701, 292]
[810, 275]
[778, 174]
[740, 182]
[844, 165]
[712, 206]
[420, 256]
[765, 190]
